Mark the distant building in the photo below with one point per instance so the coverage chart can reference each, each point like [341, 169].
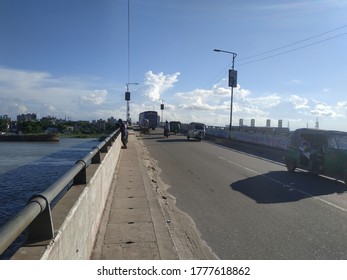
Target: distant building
[112, 120]
[26, 117]
[49, 118]
[268, 123]
[99, 124]
[280, 123]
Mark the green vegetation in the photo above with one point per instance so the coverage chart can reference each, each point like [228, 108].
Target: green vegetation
[78, 129]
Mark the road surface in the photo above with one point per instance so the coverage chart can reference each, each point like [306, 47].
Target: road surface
[246, 205]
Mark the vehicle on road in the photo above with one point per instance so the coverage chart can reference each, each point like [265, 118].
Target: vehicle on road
[318, 151]
[175, 126]
[196, 131]
[151, 116]
[144, 127]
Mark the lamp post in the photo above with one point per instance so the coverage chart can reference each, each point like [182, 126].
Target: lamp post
[232, 84]
[127, 98]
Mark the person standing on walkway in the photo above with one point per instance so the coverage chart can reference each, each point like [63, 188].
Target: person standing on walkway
[123, 131]
[166, 129]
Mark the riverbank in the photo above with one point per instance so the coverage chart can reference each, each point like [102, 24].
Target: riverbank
[29, 137]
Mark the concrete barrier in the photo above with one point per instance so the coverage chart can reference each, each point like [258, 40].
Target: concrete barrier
[265, 139]
[78, 214]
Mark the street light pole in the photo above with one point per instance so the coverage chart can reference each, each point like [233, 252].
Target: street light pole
[127, 98]
[232, 84]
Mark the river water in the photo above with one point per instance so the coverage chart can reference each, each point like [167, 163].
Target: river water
[27, 168]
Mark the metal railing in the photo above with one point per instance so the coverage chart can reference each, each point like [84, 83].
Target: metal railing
[36, 215]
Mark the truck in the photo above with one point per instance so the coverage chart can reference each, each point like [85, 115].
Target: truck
[151, 116]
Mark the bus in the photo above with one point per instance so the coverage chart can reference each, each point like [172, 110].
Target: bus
[151, 116]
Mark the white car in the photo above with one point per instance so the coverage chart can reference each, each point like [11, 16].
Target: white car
[196, 131]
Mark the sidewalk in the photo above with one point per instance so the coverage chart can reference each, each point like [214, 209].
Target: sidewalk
[133, 226]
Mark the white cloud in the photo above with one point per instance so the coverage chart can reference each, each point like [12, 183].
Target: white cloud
[212, 106]
[326, 110]
[44, 94]
[48, 110]
[342, 105]
[298, 102]
[264, 102]
[18, 79]
[98, 97]
[20, 109]
[323, 110]
[156, 84]
[200, 99]
[241, 93]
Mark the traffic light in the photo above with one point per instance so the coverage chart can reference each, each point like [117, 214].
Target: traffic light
[232, 78]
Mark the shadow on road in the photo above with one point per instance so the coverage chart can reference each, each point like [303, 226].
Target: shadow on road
[149, 137]
[167, 140]
[282, 186]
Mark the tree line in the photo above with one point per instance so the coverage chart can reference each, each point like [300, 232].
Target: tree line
[57, 126]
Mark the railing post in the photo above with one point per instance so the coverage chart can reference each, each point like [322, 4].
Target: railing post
[104, 148]
[81, 177]
[41, 228]
[96, 158]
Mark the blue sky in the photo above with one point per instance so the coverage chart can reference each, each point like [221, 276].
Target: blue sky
[73, 59]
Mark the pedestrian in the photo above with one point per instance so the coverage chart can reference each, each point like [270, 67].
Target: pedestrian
[166, 129]
[305, 146]
[123, 131]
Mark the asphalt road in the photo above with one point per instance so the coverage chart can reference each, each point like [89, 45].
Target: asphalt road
[247, 206]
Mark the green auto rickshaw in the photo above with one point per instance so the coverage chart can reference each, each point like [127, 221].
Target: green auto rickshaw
[318, 151]
[175, 126]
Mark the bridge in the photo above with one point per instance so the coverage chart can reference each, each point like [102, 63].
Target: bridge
[121, 204]
[108, 211]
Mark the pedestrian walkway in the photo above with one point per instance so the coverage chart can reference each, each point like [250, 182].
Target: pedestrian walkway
[133, 226]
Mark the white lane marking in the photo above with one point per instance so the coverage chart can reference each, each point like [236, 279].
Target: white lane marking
[284, 185]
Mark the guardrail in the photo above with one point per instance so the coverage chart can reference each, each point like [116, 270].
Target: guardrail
[36, 215]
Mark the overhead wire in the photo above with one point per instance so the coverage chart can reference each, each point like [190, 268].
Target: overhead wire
[295, 43]
[292, 50]
[283, 52]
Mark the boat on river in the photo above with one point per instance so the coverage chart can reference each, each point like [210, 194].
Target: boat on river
[30, 137]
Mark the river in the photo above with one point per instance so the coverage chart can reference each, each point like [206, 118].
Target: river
[27, 168]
